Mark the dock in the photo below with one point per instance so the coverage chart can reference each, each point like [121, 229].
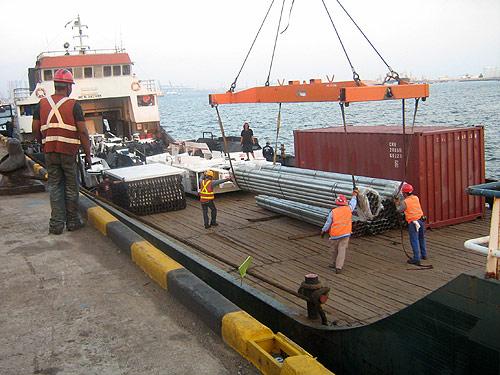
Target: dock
[376, 280]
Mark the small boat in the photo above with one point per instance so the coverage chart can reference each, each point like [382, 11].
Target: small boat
[114, 100]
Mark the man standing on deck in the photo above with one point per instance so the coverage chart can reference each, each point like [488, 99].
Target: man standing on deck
[415, 218]
[59, 125]
[339, 227]
[268, 152]
[207, 197]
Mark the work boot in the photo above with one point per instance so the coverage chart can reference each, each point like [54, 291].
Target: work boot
[56, 231]
[332, 265]
[207, 226]
[75, 226]
[338, 270]
[214, 225]
[424, 257]
[413, 261]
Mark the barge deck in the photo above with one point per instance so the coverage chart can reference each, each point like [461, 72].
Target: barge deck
[375, 283]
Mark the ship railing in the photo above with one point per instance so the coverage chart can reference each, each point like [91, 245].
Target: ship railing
[492, 251]
[78, 52]
[21, 93]
[151, 85]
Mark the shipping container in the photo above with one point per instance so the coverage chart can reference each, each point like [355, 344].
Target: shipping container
[442, 162]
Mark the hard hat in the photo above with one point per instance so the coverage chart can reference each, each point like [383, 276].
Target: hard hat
[63, 75]
[341, 200]
[407, 188]
[209, 173]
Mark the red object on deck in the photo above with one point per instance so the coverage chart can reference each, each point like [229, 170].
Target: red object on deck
[149, 135]
[443, 162]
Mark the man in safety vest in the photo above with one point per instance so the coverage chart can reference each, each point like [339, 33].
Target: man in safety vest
[59, 125]
[339, 227]
[207, 197]
[415, 218]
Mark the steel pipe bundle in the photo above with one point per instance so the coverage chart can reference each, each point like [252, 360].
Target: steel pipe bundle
[305, 212]
[317, 215]
[308, 186]
[309, 195]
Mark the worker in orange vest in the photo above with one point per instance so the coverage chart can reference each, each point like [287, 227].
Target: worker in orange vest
[415, 218]
[207, 196]
[339, 227]
[59, 125]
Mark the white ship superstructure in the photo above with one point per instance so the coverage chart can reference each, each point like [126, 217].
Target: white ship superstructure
[112, 97]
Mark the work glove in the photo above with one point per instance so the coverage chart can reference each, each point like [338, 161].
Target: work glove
[355, 192]
[322, 234]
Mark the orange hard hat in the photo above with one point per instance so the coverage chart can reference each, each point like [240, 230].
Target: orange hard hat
[341, 200]
[209, 173]
[407, 188]
[63, 75]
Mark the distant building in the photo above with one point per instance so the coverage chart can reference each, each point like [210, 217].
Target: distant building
[491, 72]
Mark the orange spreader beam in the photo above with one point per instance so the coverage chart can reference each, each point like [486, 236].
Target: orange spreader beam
[317, 91]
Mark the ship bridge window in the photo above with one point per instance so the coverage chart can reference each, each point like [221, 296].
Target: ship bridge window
[117, 70]
[87, 72]
[126, 70]
[107, 71]
[78, 73]
[47, 75]
[97, 71]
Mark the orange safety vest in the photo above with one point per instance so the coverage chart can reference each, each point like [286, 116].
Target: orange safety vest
[342, 221]
[58, 126]
[206, 191]
[413, 209]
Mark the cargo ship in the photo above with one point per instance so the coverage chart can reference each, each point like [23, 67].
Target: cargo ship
[384, 316]
[114, 100]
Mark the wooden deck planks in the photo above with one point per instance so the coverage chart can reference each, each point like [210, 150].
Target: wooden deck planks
[375, 282]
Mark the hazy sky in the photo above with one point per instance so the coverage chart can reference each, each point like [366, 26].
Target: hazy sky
[202, 43]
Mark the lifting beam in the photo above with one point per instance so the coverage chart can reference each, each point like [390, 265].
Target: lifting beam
[317, 91]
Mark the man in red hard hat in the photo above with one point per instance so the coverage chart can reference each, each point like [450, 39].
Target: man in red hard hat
[339, 227]
[59, 125]
[415, 218]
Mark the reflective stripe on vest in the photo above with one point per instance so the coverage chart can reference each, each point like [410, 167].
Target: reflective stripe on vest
[413, 209]
[206, 192]
[342, 221]
[58, 127]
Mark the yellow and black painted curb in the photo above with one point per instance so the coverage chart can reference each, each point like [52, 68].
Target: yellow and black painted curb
[271, 353]
[37, 169]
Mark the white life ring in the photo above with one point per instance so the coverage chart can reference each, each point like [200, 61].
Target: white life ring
[40, 92]
[135, 86]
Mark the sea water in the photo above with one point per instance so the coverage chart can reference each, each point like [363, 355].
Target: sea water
[187, 114]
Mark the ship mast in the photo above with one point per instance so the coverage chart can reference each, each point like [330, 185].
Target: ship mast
[77, 24]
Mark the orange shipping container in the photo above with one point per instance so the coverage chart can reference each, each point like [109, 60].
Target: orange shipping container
[443, 161]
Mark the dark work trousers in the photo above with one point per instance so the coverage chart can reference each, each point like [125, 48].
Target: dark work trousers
[205, 206]
[63, 190]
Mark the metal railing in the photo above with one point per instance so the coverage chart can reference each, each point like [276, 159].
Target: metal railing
[492, 251]
[151, 85]
[77, 52]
